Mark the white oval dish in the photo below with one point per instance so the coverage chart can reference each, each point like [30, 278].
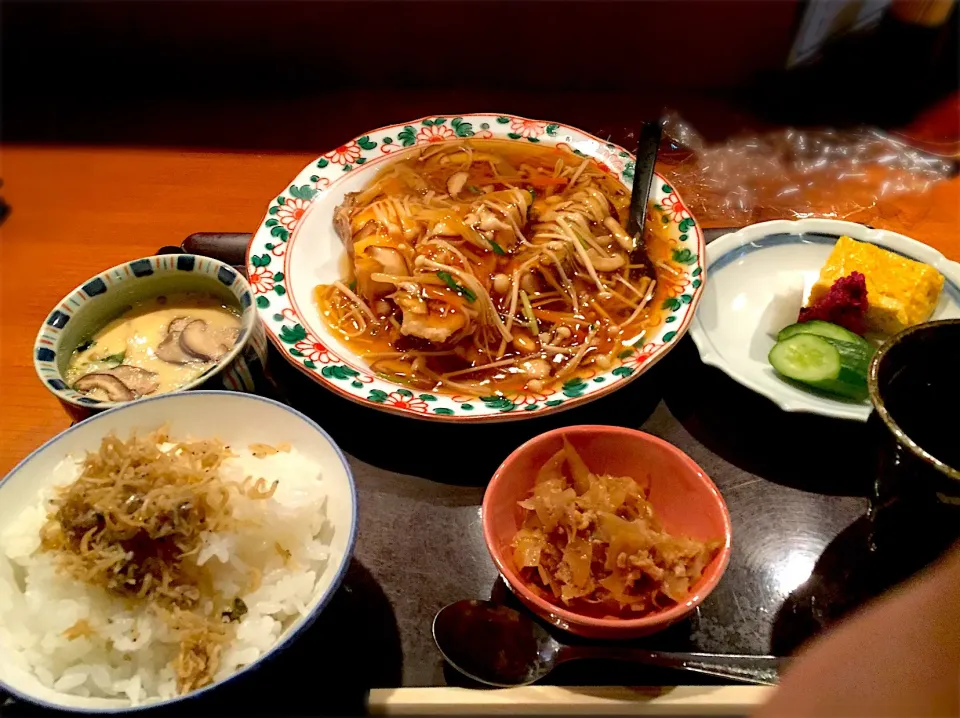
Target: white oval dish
[781, 260]
[295, 248]
[236, 419]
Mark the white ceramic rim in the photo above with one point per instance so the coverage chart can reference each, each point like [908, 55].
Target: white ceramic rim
[291, 633]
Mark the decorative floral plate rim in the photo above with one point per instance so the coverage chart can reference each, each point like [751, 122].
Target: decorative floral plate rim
[335, 367]
[746, 241]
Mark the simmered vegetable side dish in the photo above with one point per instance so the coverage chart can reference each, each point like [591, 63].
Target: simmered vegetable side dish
[485, 266]
[593, 543]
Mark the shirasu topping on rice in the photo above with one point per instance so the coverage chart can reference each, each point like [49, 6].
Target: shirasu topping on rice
[197, 549]
[134, 521]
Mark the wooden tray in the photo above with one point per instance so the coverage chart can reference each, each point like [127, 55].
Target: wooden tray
[554, 700]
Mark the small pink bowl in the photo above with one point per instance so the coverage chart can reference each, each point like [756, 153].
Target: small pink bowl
[686, 501]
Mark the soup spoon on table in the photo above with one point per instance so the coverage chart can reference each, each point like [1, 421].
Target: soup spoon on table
[501, 647]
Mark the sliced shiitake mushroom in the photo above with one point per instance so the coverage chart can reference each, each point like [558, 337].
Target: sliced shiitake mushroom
[115, 389]
[138, 380]
[178, 324]
[199, 341]
[169, 349]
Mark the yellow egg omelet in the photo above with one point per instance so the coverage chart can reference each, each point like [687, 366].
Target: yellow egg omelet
[901, 292]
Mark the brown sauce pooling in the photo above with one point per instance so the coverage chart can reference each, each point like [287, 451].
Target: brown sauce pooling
[488, 266]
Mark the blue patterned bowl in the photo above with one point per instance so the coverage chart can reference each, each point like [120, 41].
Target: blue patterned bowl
[104, 297]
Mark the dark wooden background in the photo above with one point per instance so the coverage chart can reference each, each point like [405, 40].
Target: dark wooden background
[279, 75]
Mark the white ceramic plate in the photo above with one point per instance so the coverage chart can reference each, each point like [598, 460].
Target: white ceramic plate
[296, 248]
[238, 419]
[751, 267]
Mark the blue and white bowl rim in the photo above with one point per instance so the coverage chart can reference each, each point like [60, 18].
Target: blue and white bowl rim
[47, 344]
[284, 641]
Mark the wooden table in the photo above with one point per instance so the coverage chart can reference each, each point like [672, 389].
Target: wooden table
[109, 205]
[77, 211]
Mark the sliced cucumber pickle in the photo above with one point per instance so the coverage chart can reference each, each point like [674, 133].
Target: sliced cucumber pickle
[806, 357]
[836, 367]
[822, 329]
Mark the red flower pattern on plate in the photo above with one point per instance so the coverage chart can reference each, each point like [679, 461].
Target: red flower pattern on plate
[321, 183]
[523, 398]
[314, 350]
[261, 280]
[291, 212]
[528, 128]
[640, 356]
[345, 154]
[677, 285]
[673, 208]
[609, 160]
[410, 403]
[279, 249]
[435, 133]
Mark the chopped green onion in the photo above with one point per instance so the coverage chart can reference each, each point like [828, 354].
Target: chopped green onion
[353, 285]
[115, 358]
[533, 194]
[583, 242]
[497, 249]
[452, 283]
[396, 379]
[474, 188]
[528, 313]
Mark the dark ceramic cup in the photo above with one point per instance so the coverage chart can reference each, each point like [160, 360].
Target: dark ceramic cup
[914, 384]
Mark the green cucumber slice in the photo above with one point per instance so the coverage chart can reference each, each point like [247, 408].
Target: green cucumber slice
[854, 356]
[836, 367]
[806, 358]
[821, 329]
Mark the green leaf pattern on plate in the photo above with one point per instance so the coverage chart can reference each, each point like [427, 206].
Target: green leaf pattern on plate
[292, 335]
[407, 136]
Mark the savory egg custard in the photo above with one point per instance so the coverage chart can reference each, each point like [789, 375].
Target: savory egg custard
[593, 542]
[156, 346]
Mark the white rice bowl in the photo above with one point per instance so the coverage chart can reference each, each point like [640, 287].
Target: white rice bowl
[312, 515]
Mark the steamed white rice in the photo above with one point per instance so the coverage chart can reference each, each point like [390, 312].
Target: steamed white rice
[38, 604]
